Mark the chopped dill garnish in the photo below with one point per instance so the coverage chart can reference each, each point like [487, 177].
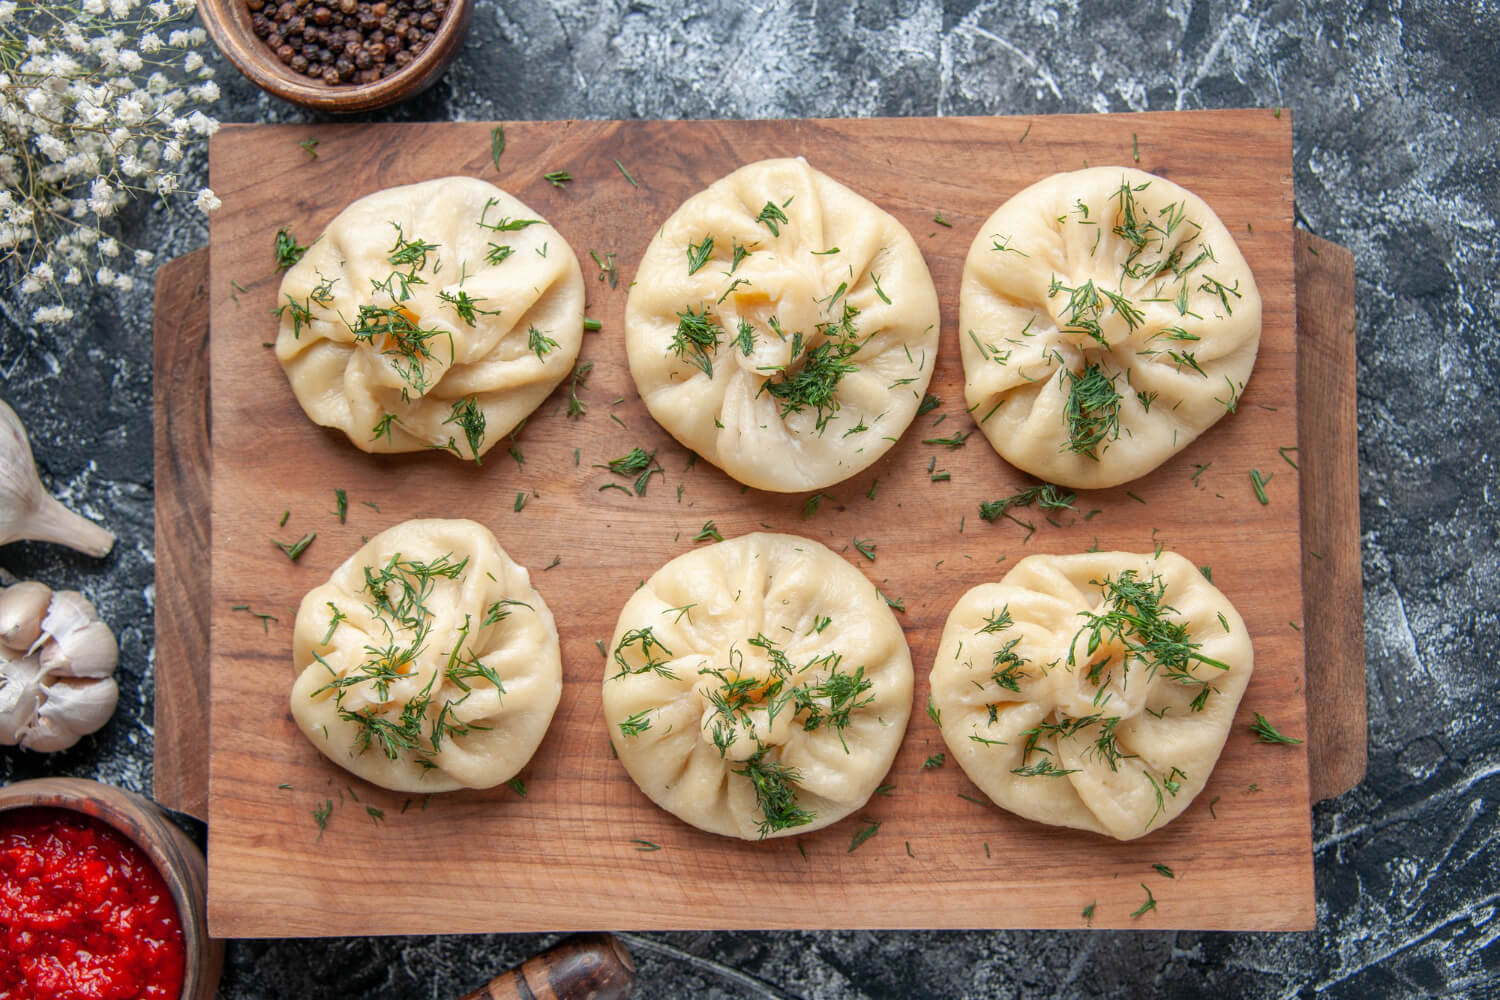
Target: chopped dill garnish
[1266, 733]
[558, 178]
[697, 337]
[935, 761]
[863, 834]
[772, 217]
[954, 443]
[320, 816]
[288, 250]
[1092, 411]
[710, 533]
[865, 548]
[295, 549]
[470, 419]
[1148, 905]
[699, 253]
[636, 724]
[1258, 484]
[497, 144]
[539, 343]
[773, 782]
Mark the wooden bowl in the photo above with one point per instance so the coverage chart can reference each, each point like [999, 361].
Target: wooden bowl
[228, 24]
[177, 858]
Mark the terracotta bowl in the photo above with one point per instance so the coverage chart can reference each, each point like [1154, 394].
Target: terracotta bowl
[228, 24]
[177, 858]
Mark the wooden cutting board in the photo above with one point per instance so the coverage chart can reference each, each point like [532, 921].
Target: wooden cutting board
[567, 855]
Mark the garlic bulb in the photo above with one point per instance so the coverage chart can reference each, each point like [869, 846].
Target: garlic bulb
[27, 511]
[57, 686]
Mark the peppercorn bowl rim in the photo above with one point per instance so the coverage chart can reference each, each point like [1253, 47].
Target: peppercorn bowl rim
[177, 858]
[228, 24]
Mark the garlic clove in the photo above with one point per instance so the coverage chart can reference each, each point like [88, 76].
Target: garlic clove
[20, 697]
[27, 510]
[68, 612]
[22, 607]
[71, 709]
[90, 651]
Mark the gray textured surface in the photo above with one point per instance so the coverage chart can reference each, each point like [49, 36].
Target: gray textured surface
[1396, 111]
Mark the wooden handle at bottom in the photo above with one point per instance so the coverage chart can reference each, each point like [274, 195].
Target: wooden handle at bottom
[581, 967]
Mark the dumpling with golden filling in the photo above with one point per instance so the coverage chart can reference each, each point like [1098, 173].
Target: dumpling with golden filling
[783, 327]
[434, 315]
[428, 661]
[758, 687]
[1106, 318]
[1092, 691]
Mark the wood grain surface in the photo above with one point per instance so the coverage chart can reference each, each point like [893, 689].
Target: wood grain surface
[1333, 592]
[569, 855]
[184, 473]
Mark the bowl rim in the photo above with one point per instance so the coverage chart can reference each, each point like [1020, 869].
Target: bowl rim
[228, 24]
[175, 857]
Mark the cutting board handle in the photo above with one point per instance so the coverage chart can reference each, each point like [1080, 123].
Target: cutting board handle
[581, 967]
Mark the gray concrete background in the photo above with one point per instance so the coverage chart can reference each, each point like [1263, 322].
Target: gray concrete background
[1396, 109]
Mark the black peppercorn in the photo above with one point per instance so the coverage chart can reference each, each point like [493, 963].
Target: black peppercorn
[346, 41]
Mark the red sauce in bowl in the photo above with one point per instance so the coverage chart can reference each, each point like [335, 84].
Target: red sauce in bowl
[84, 914]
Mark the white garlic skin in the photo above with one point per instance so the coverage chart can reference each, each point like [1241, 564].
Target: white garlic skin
[27, 510]
[59, 686]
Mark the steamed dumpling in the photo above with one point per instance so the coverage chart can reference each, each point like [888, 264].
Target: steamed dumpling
[758, 687]
[1107, 319]
[436, 315]
[1092, 691]
[782, 327]
[428, 661]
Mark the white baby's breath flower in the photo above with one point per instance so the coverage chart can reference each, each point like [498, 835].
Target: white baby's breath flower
[94, 7]
[130, 61]
[207, 92]
[160, 11]
[171, 152]
[192, 62]
[178, 39]
[120, 9]
[166, 183]
[109, 247]
[150, 43]
[206, 200]
[143, 258]
[101, 200]
[51, 315]
[7, 12]
[104, 277]
[197, 36]
[73, 277]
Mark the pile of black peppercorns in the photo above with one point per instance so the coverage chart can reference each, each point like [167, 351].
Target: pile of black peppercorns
[347, 41]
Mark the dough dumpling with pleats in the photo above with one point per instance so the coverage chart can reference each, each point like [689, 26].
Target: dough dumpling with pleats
[783, 327]
[428, 661]
[1092, 691]
[434, 315]
[1106, 319]
[758, 687]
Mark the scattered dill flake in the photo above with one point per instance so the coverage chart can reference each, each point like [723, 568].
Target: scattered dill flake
[1211, 805]
[811, 504]
[284, 515]
[1147, 906]
[558, 178]
[310, 147]
[1164, 870]
[938, 218]
[1252, 788]
[644, 845]
[801, 850]
[497, 144]
[320, 816]
[1266, 733]
[376, 815]
[1287, 458]
[341, 498]
[885, 789]
[970, 798]
[1294, 625]
[1025, 133]
[865, 548]
[295, 549]
[1088, 912]
[626, 173]
[909, 854]
[698, 255]
[518, 786]
[934, 713]
[1045, 496]
[607, 269]
[936, 760]
[520, 501]
[517, 454]
[556, 561]
[288, 250]
[862, 835]
[870, 493]
[772, 217]
[592, 325]
[265, 619]
[955, 442]
[1199, 470]
[284, 786]
[929, 403]
[1134, 497]
[895, 603]
[639, 463]
[1258, 484]
[1135, 147]
[710, 533]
